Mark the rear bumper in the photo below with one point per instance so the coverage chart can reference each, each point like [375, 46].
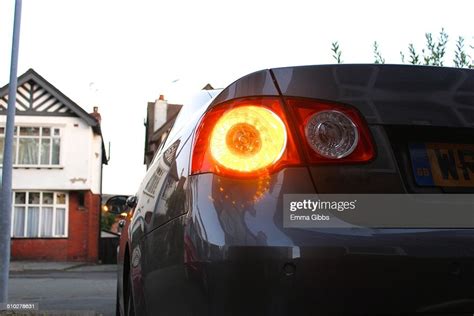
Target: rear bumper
[273, 281]
[243, 261]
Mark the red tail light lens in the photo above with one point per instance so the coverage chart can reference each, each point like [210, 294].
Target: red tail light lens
[253, 136]
[244, 137]
[331, 133]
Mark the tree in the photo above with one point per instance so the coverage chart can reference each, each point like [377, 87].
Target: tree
[433, 54]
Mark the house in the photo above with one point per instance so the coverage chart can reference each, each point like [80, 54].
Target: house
[57, 174]
[161, 116]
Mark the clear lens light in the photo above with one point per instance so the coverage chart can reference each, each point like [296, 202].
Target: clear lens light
[248, 138]
[331, 134]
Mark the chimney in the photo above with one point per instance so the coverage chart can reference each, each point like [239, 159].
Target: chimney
[160, 113]
[96, 114]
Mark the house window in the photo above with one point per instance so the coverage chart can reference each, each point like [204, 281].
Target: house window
[40, 214]
[34, 146]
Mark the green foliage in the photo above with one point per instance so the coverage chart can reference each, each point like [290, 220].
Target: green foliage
[377, 56]
[460, 56]
[472, 61]
[414, 57]
[432, 55]
[402, 57]
[435, 50]
[106, 221]
[336, 52]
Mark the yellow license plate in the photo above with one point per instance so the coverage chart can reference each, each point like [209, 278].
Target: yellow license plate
[442, 164]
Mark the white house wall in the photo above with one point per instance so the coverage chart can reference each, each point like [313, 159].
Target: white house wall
[80, 157]
[96, 163]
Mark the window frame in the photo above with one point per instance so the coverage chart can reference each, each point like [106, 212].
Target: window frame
[41, 205]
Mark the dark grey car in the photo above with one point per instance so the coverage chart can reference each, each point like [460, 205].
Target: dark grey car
[207, 235]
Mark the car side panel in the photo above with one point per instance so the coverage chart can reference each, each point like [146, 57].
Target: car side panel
[163, 278]
[147, 215]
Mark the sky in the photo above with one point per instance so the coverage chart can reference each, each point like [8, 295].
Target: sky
[120, 54]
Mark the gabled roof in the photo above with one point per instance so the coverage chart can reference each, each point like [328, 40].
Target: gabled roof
[36, 96]
[173, 110]
[208, 87]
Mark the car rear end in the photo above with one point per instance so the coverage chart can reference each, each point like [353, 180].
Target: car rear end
[381, 131]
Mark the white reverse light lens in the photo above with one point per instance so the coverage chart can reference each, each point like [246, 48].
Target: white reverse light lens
[331, 134]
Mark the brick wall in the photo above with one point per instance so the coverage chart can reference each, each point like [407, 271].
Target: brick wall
[82, 243]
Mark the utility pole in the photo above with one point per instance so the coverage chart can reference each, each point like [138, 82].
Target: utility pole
[6, 193]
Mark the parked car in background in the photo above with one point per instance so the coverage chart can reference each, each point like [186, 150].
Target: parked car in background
[207, 235]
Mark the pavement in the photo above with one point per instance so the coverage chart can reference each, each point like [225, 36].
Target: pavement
[31, 266]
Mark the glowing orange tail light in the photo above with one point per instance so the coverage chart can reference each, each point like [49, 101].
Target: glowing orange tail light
[252, 136]
[244, 138]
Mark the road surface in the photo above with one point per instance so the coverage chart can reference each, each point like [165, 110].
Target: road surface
[65, 290]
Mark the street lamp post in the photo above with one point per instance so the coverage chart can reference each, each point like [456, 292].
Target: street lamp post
[6, 193]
